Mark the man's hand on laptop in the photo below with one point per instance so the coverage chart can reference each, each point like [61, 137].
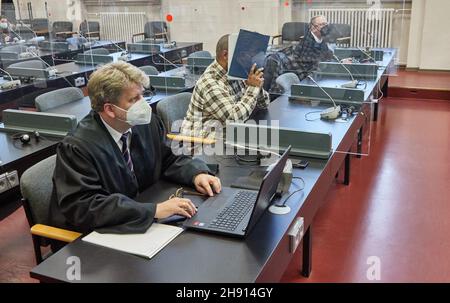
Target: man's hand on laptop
[207, 184]
[175, 206]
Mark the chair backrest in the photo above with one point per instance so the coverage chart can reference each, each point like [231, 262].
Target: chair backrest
[341, 30]
[89, 26]
[153, 28]
[37, 64]
[97, 51]
[39, 24]
[201, 54]
[58, 97]
[286, 81]
[62, 26]
[173, 108]
[292, 31]
[149, 70]
[36, 187]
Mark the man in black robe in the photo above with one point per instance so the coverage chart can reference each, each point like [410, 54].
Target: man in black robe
[117, 151]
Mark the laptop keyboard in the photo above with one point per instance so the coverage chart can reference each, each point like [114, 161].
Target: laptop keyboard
[230, 217]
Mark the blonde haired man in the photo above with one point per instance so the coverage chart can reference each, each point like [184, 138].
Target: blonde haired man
[116, 152]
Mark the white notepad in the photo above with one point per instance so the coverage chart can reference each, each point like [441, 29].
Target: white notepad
[145, 245]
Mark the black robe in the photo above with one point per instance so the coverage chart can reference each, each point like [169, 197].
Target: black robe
[92, 187]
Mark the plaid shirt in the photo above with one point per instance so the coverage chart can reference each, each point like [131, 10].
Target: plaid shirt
[300, 59]
[216, 100]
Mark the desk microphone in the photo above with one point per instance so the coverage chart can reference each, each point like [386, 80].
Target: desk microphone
[125, 54]
[351, 84]
[365, 53]
[19, 38]
[167, 60]
[36, 39]
[9, 84]
[329, 113]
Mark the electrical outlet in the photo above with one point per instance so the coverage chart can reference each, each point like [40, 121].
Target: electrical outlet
[296, 234]
[8, 181]
[13, 179]
[80, 81]
[3, 184]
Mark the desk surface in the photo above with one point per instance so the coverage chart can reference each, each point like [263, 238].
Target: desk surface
[200, 257]
[13, 150]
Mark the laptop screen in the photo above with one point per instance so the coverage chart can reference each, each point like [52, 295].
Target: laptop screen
[268, 189]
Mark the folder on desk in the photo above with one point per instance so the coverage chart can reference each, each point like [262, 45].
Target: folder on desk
[145, 245]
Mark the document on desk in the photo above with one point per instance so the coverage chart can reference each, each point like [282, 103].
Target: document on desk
[145, 245]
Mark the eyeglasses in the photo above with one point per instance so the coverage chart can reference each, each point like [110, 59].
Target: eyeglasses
[321, 24]
[181, 192]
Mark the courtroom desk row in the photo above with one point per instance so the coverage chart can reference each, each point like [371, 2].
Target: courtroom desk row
[262, 256]
[55, 57]
[24, 95]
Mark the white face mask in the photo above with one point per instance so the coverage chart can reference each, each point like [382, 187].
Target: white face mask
[138, 114]
[3, 25]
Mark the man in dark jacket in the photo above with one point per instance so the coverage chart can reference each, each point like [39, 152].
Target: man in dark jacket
[302, 58]
[117, 151]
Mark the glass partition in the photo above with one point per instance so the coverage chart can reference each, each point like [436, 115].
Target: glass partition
[332, 59]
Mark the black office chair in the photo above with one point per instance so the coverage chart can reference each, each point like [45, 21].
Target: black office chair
[61, 30]
[201, 54]
[58, 97]
[90, 29]
[154, 32]
[36, 187]
[173, 108]
[149, 70]
[292, 32]
[40, 26]
[341, 34]
[172, 111]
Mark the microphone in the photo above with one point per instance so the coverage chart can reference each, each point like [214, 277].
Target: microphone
[9, 84]
[367, 54]
[351, 84]
[36, 39]
[165, 59]
[19, 38]
[329, 113]
[125, 54]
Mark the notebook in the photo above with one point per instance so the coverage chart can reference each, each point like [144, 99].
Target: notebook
[244, 50]
[145, 245]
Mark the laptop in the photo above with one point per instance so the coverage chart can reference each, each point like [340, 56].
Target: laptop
[234, 212]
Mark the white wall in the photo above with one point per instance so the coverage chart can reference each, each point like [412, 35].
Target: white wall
[422, 37]
[415, 34]
[208, 20]
[433, 44]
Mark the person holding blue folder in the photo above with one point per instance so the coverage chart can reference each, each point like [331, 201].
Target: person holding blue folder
[216, 99]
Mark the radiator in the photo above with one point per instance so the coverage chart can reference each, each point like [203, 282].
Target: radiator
[121, 26]
[369, 27]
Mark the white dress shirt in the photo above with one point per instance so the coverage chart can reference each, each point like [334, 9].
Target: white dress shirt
[117, 135]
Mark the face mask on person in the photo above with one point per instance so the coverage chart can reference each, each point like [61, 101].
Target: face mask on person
[3, 25]
[325, 31]
[138, 114]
